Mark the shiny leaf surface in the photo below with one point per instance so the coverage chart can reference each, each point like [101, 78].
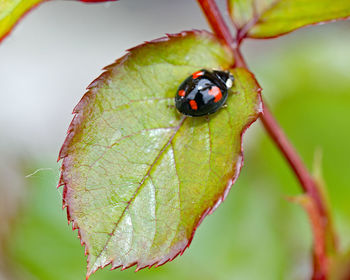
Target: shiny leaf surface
[139, 177]
[270, 18]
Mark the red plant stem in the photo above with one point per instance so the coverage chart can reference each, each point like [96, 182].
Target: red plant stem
[306, 181]
[320, 221]
[276, 133]
[217, 22]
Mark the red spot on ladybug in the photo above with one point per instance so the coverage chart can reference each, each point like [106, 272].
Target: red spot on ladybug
[182, 93]
[193, 105]
[197, 74]
[204, 92]
[216, 92]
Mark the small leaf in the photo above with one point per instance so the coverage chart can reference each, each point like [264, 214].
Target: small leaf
[138, 176]
[11, 11]
[331, 238]
[319, 250]
[271, 18]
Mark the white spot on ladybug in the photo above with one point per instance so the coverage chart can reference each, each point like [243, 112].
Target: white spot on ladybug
[229, 83]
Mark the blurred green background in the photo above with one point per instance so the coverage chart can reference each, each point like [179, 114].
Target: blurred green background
[256, 233]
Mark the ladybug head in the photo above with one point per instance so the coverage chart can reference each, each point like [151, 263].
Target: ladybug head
[225, 77]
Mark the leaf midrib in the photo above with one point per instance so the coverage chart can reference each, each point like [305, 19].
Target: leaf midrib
[176, 129]
[256, 19]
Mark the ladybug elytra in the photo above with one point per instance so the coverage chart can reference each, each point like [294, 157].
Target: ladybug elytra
[203, 93]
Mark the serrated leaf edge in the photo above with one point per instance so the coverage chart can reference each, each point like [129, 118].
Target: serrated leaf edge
[74, 127]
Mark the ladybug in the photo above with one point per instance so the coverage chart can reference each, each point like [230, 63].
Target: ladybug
[203, 93]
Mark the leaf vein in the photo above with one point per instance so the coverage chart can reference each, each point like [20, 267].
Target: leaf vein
[211, 149]
[179, 194]
[140, 185]
[256, 18]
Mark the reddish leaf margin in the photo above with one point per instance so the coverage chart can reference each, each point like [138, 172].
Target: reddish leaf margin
[78, 118]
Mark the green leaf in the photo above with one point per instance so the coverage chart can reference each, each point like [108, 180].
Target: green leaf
[271, 18]
[138, 176]
[11, 11]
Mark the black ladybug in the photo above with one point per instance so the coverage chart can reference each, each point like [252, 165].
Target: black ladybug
[203, 93]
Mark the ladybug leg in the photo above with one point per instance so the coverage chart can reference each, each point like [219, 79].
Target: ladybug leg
[171, 106]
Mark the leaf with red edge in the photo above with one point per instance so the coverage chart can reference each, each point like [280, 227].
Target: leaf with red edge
[138, 176]
[271, 18]
[11, 11]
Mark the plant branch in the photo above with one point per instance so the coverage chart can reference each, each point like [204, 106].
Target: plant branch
[217, 22]
[305, 179]
[307, 183]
